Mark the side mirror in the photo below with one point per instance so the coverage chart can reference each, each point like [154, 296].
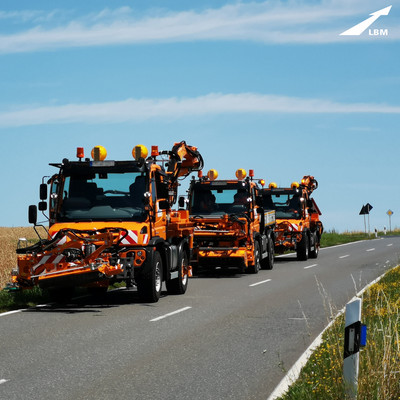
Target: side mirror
[182, 202]
[32, 214]
[163, 204]
[259, 201]
[43, 192]
[42, 205]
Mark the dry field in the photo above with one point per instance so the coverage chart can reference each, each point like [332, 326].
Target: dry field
[8, 243]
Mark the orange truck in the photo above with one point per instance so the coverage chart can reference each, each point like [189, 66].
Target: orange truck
[231, 227]
[111, 221]
[297, 217]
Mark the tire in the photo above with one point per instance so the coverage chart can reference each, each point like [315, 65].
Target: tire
[314, 253]
[253, 269]
[149, 286]
[302, 248]
[268, 262]
[179, 284]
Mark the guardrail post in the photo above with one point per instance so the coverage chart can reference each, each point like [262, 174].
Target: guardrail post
[352, 338]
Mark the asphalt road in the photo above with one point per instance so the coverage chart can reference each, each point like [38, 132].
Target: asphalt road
[229, 337]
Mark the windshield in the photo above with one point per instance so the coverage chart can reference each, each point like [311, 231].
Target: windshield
[104, 196]
[286, 205]
[219, 200]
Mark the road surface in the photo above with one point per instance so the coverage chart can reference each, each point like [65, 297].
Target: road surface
[229, 337]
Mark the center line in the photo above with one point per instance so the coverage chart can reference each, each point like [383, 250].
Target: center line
[169, 314]
[311, 266]
[259, 283]
[347, 255]
[370, 250]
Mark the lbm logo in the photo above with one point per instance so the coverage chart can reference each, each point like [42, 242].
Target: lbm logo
[362, 26]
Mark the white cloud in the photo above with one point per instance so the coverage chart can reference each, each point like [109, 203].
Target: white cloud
[132, 110]
[267, 22]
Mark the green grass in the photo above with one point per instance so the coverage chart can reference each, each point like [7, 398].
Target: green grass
[332, 238]
[379, 376]
[14, 300]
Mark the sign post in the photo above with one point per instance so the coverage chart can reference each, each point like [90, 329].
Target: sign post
[390, 213]
[365, 211]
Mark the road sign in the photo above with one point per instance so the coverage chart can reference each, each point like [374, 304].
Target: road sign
[366, 209]
[389, 212]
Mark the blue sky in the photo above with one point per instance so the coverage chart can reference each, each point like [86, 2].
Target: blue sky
[266, 85]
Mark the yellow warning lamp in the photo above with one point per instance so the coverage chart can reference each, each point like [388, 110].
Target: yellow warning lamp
[200, 174]
[80, 153]
[139, 151]
[99, 153]
[154, 151]
[272, 185]
[241, 174]
[261, 182]
[251, 173]
[212, 174]
[295, 185]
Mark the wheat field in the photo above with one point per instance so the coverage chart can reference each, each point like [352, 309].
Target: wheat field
[8, 244]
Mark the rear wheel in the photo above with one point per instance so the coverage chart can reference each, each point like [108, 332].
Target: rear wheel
[302, 248]
[268, 262]
[314, 253]
[149, 286]
[180, 284]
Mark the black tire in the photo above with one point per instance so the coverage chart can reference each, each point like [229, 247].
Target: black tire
[302, 248]
[149, 286]
[253, 269]
[314, 253]
[179, 284]
[268, 262]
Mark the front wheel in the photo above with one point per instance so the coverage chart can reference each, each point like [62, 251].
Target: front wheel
[149, 285]
[253, 269]
[302, 248]
[180, 284]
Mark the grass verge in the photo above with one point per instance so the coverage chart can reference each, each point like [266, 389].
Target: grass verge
[379, 375]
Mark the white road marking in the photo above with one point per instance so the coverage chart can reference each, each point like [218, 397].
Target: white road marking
[11, 312]
[3, 381]
[259, 283]
[370, 250]
[169, 314]
[347, 255]
[390, 244]
[311, 266]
